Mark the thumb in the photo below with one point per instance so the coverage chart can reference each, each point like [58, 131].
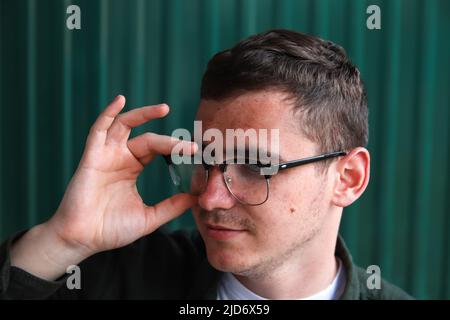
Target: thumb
[167, 210]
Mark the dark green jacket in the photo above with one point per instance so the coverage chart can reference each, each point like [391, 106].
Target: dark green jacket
[160, 266]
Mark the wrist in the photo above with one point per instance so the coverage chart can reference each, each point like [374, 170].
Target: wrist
[44, 254]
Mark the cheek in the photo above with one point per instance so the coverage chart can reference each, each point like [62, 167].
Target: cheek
[288, 194]
[297, 189]
[296, 202]
[279, 218]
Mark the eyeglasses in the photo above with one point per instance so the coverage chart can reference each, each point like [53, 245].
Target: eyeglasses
[245, 181]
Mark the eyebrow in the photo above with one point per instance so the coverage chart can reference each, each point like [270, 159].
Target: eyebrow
[258, 152]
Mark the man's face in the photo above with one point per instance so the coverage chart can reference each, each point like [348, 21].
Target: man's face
[270, 234]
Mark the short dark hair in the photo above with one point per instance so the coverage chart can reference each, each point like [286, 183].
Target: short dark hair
[326, 87]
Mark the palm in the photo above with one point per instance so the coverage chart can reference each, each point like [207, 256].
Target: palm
[110, 188]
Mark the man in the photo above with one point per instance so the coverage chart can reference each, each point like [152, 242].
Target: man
[276, 240]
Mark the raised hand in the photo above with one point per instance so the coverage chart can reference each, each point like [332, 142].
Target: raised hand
[102, 208]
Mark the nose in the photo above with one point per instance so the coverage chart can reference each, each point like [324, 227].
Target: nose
[216, 194]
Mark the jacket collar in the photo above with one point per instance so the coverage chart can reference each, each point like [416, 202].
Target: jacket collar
[352, 287]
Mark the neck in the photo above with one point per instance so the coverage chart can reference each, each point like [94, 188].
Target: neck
[304, 274]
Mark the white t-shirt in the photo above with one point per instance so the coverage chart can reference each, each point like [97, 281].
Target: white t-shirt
[231, 289]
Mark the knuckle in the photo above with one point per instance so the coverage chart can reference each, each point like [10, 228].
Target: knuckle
[94, 130]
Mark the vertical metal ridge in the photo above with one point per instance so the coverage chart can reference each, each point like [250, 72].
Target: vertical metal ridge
[173, 65]
[137, 67]
[31, 114]
[247, 15]
[67, 154]
[440, 163]
[214, 34]
[283, 14]
[103, 56]
[321, 18]
[445, 72]
[2, 209]
[390, 137]
[425, 138]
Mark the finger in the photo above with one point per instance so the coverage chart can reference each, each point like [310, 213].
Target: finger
[122, 125]
[168, 209]
[146, 146]
[105, 119]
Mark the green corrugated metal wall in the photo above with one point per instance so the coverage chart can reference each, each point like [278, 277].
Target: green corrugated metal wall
[54, 82]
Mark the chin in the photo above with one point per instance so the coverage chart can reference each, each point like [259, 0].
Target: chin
[224, 264]
[227, 255]
[227, 259]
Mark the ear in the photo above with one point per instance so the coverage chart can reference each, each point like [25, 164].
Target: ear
[352, 177]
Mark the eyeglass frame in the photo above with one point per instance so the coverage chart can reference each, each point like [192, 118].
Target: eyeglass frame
[275, 168]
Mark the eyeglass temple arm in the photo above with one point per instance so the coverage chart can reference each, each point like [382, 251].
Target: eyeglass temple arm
[290, 164]
[295, 163]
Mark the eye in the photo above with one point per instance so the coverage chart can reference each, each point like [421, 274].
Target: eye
[251, 168]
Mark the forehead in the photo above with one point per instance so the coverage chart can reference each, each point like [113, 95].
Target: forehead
[257, 110]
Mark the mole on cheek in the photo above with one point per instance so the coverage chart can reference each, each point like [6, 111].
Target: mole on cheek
[292, 210]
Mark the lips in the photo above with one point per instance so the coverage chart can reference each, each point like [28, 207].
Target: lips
[220, 232]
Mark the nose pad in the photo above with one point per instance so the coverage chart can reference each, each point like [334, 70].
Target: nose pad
[215, 194]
